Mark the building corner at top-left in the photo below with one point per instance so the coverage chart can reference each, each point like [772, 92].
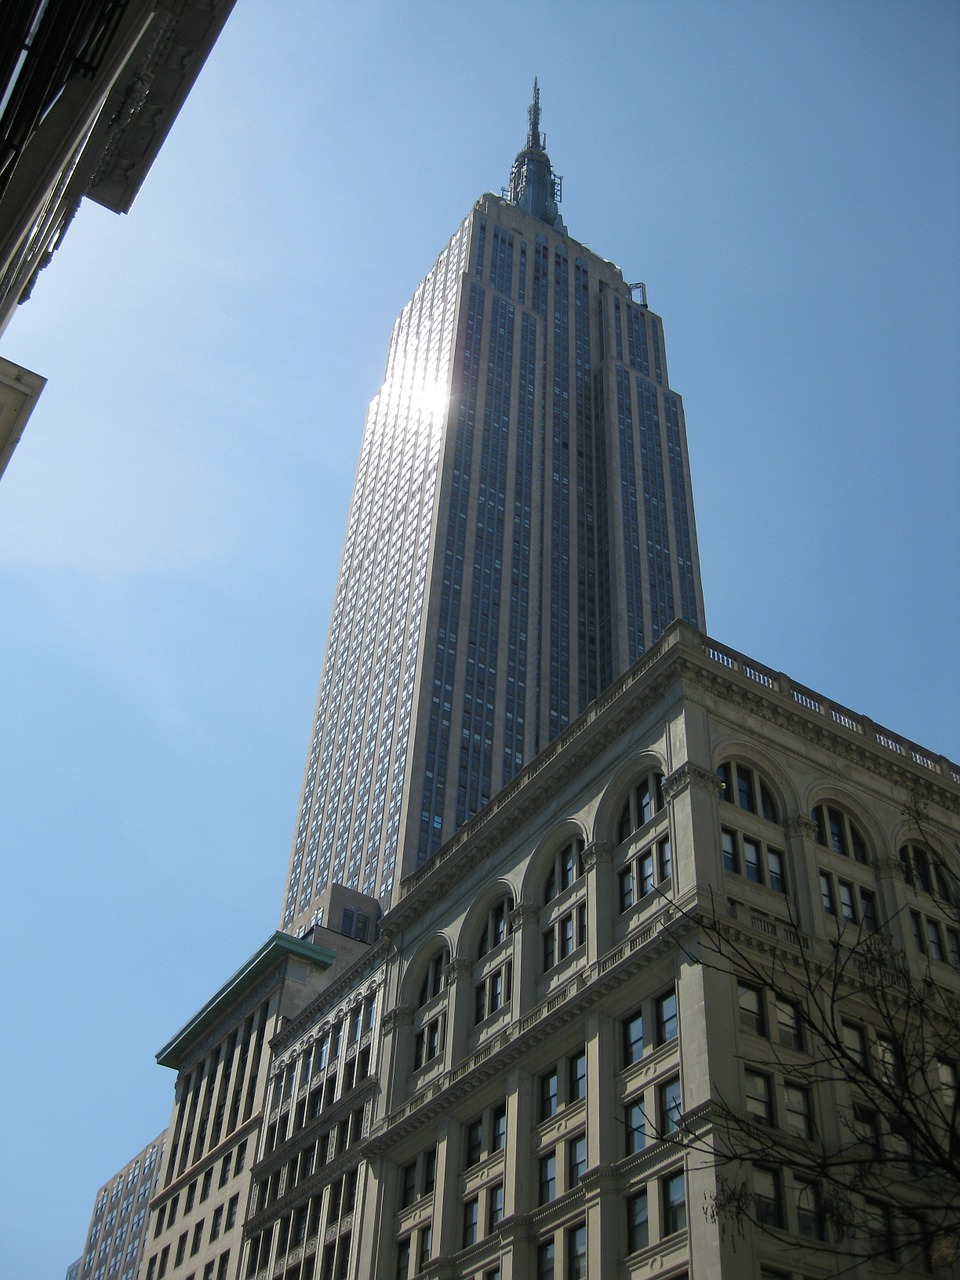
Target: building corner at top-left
[89, 90]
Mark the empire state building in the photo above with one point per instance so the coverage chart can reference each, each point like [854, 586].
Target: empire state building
[521, 529]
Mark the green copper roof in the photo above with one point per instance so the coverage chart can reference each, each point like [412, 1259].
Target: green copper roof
[275, 949]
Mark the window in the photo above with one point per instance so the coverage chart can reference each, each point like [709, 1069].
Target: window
[789, 1026]
[638, 1224]
[836, 831]
[767, 1200]
[216, 1222]
[636, 1126]
[471, 1218]
[759, 1096]
[197, 1237]
[887, 1056]
[545, 1260]
[751, 1008]
[866, 1124]
[868, 910]
[644, 799]
[433, 979]
[473, 1143]
[758, 862]
[674, 1195]
[924, 871]
[496, 926]
[796, 1110]
[577, 1252]
[564, 936]
[548, 1177]
[403, 1260]
[205, 1185]
[232, 1211]
[498, 1127]
[428, 1042]
[565, 868]
[743, 787]
[576, 1160]
[810, 1219]
[495, 1206]
[549, 1094]
[827, 900]
[632, 1038]
[669, 1106]
[577, 1076]
[423, 1252]
[493, 992]
[854, 1042]
[934, 940]
[666, 1009]
[848, 911]
[408, 1184]
[644, 874]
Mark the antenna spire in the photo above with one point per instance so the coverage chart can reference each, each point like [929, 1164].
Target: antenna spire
[534, 139]
[533, 184]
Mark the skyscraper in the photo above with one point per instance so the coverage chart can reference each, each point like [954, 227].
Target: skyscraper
[521, 530]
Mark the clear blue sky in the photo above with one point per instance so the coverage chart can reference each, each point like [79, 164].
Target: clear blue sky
[784, 178]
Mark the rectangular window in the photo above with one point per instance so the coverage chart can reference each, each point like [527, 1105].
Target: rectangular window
[953, 946]
[577, 1076]
[665, 859]
[632, 1039]
[471, 1219]
[868, 910]
[423, 1252]
[731, 859]
[577, 1252]
[548, 1177]
[626, 888]
[636, 1125]
[775, 866]
[751, 1008]
[638, 1223]
[232, 1211]
[934, 940]
[848, 911]
[495, 1206]
[854, 1042]
[767, 1201]
[669, 1106]
[546, 1256]
[789, 1027]
[473, 1144]
[810, 1220]
[216, 1222]
[549, 1094]
[674, 1204]
[751, 861]
[759, 1096]
[920, 942]
[666, 1008]
[498, 1128]
[576, 1160]
[826, 894]
[796, 1110]
[408, 1184]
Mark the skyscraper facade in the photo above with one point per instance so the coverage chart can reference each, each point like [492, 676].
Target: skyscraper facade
[521, 530]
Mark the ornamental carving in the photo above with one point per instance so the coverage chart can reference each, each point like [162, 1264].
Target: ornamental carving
[521, 912]
[394, 1019]
[801, 828]
[597, 851]
[691, 775]
[459, 967]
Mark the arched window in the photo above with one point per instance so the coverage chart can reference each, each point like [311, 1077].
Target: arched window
[493, 971]
[644, 799]
[496, 926]
[835, 830]
[924, 871]
[565, 868]
[433, 979]
[746, 788]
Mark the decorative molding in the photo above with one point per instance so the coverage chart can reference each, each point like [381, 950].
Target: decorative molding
[800, 828]
[691, 775]
[394, 1019]
[521, 913]
[597, 851]
[459, 967]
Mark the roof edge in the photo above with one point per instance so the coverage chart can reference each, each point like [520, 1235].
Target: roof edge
[279, 946]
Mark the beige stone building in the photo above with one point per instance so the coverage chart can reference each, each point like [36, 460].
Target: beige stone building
[558, 1046]
[118, 1224]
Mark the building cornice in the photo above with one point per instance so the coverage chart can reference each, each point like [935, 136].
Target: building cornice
[275, 951]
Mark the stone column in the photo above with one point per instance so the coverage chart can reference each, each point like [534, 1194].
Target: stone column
[602, 898]
[524, 919]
